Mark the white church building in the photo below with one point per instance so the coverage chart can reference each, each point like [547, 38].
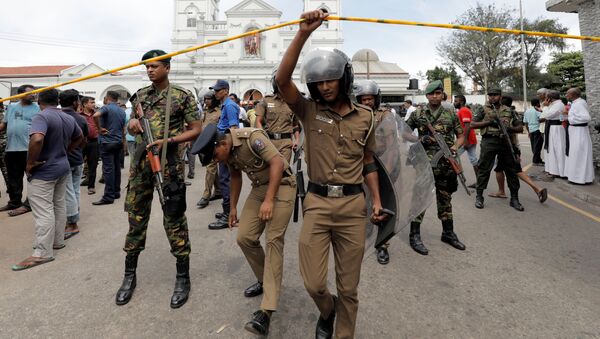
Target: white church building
[246, 63]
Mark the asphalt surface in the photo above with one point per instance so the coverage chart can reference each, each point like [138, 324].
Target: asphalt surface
[524, 274]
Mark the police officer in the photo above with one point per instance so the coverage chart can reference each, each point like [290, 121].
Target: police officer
[446, 123]
[212, 113]
[267, 209]
[160, 102]
[339, 152]
[367, 92]
[494, 144]
[275, 116]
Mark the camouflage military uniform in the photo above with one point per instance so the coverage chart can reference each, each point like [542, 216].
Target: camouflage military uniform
[2, 149]
[280, 122]
[494, 145]
[446, 182]
[140, 189]
[211, 116]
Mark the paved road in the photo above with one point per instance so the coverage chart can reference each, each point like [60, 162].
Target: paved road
[531, 274]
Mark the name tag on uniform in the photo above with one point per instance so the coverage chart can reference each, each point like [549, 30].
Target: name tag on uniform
[324, 119]
[271, 105]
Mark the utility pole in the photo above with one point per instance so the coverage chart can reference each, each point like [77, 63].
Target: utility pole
[523, 61]
[368, 67]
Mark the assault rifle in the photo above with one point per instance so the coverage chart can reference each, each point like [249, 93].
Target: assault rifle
[507, 137]
[153, 155]
[300, 191]
[449, 155]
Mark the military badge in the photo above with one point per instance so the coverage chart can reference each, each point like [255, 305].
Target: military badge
[258, 145]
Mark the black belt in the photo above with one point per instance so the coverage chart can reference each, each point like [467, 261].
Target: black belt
[334, 191]
[279, 136]
[547, 131]
[568, 143]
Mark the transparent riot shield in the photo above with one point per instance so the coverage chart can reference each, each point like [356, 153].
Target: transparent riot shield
[406, 184]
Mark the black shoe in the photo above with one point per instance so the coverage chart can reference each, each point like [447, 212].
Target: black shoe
[219, 224]
[190, 175]
[259, 324]
[216, 197]
[383, 257]
[479, 201]
[101, 180]
[84, 183]
[220, 215]
[324, 328]
[202, 203]
[182, 283]
[514, 203]
[414, 239]
[254, 290]
[102, 202]
[125, 292]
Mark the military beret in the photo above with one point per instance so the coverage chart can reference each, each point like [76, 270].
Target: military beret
[434, 86]
[205, 145]
[494, 91]
[155, 53]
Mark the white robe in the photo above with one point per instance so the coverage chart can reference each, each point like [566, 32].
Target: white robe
[579, 165]
[555, 155]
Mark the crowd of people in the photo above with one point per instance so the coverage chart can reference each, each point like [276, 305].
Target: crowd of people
[58, 150]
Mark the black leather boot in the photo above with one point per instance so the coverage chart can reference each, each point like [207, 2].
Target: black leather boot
[479, 199]
[182, 283]
[324, 328]
[129, 280]
[449, 237]
[415, 239]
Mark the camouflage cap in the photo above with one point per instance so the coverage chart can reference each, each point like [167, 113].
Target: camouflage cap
[434, 86]
[155, 53]
[494, 91]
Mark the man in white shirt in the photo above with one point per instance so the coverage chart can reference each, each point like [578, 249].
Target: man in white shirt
[555, 134]
[579, 166]
[408, 105]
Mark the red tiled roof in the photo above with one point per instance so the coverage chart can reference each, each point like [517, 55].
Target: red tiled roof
[34, 71]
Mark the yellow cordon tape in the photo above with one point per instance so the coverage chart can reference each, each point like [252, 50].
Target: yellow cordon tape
[293, 22]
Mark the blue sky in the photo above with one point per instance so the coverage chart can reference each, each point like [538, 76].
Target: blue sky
[112, 33]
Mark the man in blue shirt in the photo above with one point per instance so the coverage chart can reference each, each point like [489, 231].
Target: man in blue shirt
[531, 119]
[17, 123]
[110, 119]
[229, 119]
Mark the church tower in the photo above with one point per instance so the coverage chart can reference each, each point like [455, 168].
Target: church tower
[330, 33]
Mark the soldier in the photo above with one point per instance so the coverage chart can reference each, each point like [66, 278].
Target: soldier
[339, 152]
[277, 119]
[155, 102]
[367, 92]
[444, 122]
[3, 147]
[494, 144]
[267, 209]
[212, 113]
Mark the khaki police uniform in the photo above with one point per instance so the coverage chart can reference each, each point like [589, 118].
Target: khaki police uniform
[335, 146]
[211, 116]
[279, 121]
[251, 153]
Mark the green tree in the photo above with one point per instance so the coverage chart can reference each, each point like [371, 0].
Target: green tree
[568, 68]
[440, 73]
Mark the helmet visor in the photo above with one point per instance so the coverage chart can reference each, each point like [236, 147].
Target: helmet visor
[322, 65]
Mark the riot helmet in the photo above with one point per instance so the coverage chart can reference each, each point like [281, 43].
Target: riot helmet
[324, 65]
[368, 87]
[210, 94]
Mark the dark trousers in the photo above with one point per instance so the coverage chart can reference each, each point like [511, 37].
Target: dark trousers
[224, 179]
[492, 147]
[91, 152]
[537, 144]
[15, 165]
[111, 168]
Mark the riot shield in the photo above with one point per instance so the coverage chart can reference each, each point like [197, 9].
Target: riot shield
[406, 184]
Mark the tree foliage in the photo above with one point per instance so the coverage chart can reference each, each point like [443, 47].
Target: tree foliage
[496, 58]
[440, 73]
[568, 69]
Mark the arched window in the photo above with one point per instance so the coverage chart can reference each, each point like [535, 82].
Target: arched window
[192, 15]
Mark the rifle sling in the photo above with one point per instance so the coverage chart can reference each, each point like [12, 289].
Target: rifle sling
[163, 156]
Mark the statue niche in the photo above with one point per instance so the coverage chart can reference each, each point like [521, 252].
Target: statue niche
[252, 45]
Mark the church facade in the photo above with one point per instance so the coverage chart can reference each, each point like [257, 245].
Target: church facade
[246, 63]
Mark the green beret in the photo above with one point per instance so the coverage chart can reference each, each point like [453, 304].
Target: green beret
[434, 86]
[494, 91]
[155, 53]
